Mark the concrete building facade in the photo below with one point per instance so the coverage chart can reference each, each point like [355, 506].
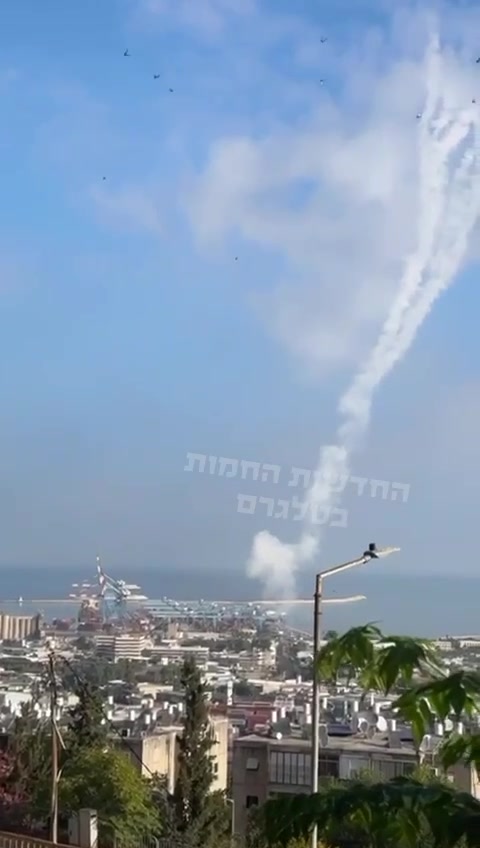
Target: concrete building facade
[122, 647]
[157, 753]
[264, 768]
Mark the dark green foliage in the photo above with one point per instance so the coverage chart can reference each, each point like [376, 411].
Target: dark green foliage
[200, 818]
[87, 727]
[29, 750]
[107, 781]
[195, 767]
[100, 672]
[378, 815]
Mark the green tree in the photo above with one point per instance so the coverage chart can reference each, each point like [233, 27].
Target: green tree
[126, 671]
[201, 817]
[87, 726]
[195, 762]
[244, 689]
[403, 812]
[23, 767]
[330, 634]
[83, 643]
[29, 753]
[108, 781]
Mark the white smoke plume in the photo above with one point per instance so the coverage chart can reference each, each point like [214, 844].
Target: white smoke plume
[448, 209]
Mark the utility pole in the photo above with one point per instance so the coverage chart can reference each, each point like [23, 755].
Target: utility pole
[53, 711]
[317, 640]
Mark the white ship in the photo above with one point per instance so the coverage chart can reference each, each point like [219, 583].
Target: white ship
[132, 591]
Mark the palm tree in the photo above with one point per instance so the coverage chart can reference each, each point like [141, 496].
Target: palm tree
[403, 812]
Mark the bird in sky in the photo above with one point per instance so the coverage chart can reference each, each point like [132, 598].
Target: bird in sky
[323, 40]
[156, 76]
[171, 90]
[419, 115]
[126, 52]
[104, 178]
[478, 60]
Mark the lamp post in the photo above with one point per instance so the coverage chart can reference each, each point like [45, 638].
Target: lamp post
[372, 553]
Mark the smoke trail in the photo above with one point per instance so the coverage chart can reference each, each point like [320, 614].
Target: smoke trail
[449, 206]
[382, 359]
[461, 211]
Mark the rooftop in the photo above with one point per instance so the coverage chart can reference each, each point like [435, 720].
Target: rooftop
[335, 745]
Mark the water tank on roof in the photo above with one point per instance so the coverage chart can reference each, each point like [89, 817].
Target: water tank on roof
[382, 724]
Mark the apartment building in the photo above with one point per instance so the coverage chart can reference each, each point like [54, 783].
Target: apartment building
[170, 653]
[264, 767]
[156, 752]
[122, 647]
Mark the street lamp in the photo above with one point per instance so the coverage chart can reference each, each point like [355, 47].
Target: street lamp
[372, 553]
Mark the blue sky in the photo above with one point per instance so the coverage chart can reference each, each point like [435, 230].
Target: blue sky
[130, 332]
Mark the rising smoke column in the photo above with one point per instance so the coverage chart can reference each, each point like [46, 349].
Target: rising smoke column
[449, 206]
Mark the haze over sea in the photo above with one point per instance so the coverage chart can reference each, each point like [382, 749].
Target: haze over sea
[425, 606]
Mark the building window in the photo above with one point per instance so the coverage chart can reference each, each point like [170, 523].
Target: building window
[252, 801]
[290, 768]
[328, 766]
[393, 768]
[252, 764]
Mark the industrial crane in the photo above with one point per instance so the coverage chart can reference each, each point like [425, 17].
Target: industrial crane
[113, 595]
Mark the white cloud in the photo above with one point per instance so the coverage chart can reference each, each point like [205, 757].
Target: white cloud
[208, 17]
[130, 208]
[334, 190]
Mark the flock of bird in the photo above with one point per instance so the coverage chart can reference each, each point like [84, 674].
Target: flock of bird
[322, 81]
[127, 55]
[419, 114]
[155, 76]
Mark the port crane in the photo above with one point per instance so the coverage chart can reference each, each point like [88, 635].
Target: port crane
[113, 595]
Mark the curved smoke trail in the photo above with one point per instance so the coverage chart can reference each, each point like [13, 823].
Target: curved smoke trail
[449, 206]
